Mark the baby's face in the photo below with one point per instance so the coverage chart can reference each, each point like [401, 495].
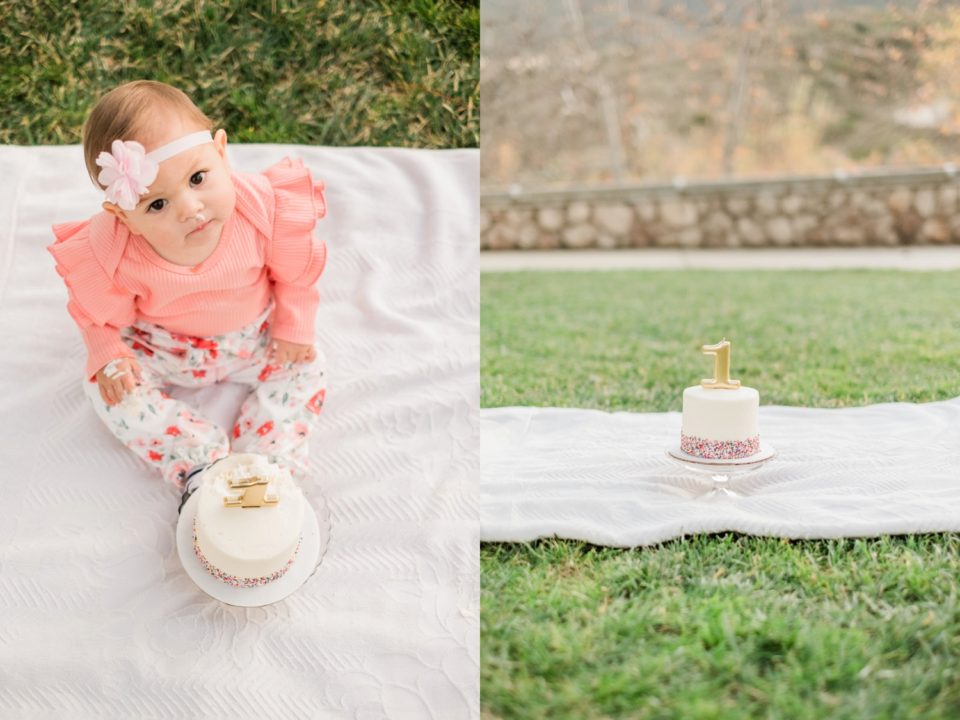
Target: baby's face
[193, 183]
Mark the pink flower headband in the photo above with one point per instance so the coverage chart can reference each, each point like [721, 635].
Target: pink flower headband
[128, 169]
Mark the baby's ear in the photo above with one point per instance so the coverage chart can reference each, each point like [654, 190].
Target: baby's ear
[116, 211]
[220, 142]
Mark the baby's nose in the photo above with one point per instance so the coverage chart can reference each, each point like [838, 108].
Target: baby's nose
[191, 210]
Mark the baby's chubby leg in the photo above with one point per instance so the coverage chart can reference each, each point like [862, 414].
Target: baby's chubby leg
[165, 433]
[285, 403]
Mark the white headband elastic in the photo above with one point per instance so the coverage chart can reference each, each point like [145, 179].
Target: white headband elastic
[179, 145]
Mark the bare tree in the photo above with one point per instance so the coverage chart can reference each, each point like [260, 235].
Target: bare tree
[608, 100]
[752, 17]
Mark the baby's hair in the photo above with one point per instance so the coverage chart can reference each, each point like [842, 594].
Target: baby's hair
[125, 112]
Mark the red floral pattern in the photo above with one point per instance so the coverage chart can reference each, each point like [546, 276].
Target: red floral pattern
[267, 371]
[315, 404]
[204, 344]
[142, 348]
[274, 420]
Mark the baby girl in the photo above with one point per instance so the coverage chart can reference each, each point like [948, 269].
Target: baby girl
[192, 275]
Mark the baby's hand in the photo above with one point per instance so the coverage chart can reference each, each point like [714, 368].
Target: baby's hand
[117, 378]
[284, 352]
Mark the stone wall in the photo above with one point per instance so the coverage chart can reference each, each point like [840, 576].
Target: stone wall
[879, 208]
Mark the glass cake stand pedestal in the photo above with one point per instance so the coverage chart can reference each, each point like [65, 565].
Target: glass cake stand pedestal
[721, 471]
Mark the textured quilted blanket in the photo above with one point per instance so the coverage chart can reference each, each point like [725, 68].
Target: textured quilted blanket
[605, 477]
[97, 617]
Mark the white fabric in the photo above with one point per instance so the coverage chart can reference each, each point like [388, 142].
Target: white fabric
[605, 477]
[98, 618]
[175, 147]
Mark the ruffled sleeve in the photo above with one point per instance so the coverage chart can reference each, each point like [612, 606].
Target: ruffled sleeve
[295, 257]
[98, 306]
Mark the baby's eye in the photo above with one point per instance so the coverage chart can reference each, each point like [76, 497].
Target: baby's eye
[157, 205]
[198, 177]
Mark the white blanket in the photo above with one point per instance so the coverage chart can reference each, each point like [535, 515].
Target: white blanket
[605, 477]
[98, 618]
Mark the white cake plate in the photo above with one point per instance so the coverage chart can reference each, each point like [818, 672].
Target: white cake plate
[720, 471]
[313, 544]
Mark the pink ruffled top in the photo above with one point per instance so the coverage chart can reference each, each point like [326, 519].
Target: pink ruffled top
[267, 248]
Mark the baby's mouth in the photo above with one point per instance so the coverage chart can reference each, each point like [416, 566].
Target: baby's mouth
[201, 227]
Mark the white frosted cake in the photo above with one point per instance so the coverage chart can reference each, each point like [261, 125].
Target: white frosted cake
[720, 423]
[249, 520]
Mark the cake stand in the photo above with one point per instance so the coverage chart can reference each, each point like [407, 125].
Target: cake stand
[720, 471]
[313, 544]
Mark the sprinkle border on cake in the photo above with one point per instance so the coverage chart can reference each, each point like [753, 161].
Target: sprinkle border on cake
[719, 449]
[241, 581]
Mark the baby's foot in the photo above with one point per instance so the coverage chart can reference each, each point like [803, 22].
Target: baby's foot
[190, 484]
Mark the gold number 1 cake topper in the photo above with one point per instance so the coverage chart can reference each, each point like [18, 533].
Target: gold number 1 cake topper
[253, 493]
[721, 367]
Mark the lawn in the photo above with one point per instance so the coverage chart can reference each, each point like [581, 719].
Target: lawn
[724, 626]
[385, 73]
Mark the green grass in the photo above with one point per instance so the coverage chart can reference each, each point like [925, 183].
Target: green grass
[631, 340]
[344, 72]
[724, 626]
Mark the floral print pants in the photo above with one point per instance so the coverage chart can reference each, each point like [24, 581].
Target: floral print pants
[275, 419]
